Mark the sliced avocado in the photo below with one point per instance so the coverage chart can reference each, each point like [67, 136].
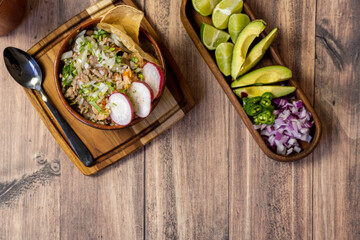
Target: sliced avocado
[263, 75]
[243, 42]
[277, 91]
[258, 52]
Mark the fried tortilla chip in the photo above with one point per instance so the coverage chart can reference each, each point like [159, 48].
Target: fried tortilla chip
[126, 18]
[127, 41]
[124, 21]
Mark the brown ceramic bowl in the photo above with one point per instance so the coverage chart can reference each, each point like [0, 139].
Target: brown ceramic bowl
[146, 41]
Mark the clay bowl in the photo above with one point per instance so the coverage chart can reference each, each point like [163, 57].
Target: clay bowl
[146, 41]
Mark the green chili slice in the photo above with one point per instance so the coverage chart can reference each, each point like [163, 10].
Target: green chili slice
[265, 102]
[254, 110]
[256, 120]
[267, 95]
[267, 113]
[262, 117]
[254, 100]
[248, 105]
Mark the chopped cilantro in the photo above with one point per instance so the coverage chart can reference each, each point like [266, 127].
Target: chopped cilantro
[118, 59]
[101, 34]
[69, 70]
[134, 59]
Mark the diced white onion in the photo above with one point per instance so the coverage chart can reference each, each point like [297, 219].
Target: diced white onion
[67, 55]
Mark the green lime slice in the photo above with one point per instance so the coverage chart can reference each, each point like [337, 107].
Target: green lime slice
[223, 55]
[212, 37]
[205, 7]
[223, 11]
[237, 22]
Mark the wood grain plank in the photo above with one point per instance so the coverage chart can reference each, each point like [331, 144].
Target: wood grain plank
[29, 156]
[336, 163]
[186, 169]
[270, 200]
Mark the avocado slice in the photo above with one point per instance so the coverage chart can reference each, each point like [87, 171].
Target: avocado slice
[258, 52]
[254, 91]
[243, 42]
[263, 75]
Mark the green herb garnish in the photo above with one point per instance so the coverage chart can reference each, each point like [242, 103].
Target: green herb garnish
[93, 103]
[134, 59]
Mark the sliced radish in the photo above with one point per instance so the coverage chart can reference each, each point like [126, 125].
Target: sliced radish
[141, 96]
[121, 109]
[154, 77]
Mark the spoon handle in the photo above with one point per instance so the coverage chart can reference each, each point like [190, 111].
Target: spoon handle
[76, 143]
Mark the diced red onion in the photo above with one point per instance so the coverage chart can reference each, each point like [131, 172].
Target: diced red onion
[292, 123]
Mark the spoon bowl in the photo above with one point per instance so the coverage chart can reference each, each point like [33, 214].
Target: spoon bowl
[22, 67]
[26, 71]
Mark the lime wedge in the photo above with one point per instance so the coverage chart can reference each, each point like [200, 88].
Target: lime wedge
[204, 7]
[237, 22]
[212, 37]
[223, 11]
[223, 55]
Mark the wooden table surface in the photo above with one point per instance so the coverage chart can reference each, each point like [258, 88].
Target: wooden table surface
[205, 178]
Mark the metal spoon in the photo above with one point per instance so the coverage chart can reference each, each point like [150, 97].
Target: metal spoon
[25, 70]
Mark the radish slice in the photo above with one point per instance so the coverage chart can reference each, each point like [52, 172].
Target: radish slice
[141, 96]
[121, 109]
[154, 77]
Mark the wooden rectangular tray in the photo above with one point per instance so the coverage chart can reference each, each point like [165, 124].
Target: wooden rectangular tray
[108, 146]
[192, 22]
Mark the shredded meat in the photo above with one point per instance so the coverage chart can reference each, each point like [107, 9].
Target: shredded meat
[70, 94]
[111, 75]
[97, 73]
[84, 78]
[105, 40]
[93, 78]
[103, 71]
[93, 61]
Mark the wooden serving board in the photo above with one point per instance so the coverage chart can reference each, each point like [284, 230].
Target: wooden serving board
[192, 22]
[108, 146]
